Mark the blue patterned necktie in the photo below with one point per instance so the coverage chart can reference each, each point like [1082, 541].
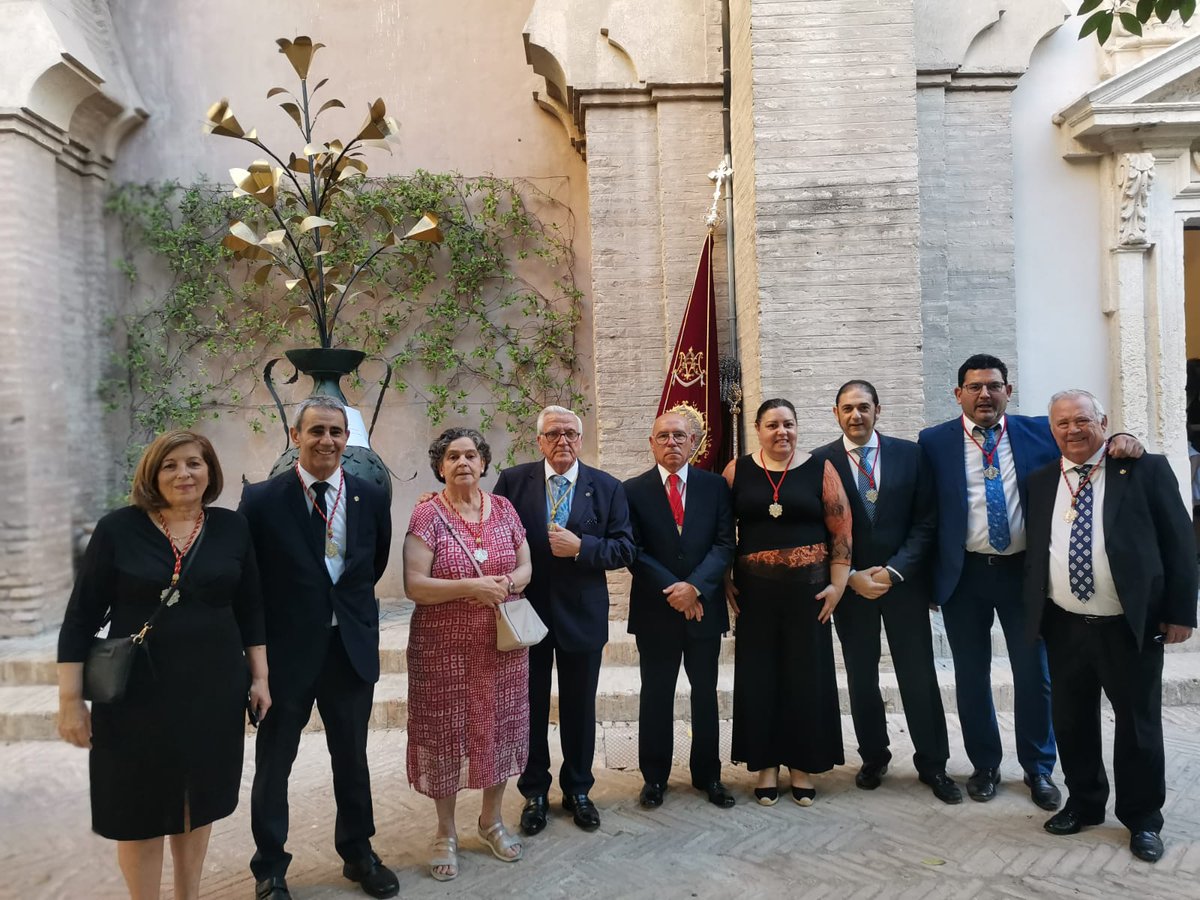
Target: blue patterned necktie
[560, 506]
[997, 507]
[864, 481]
[1079, 559]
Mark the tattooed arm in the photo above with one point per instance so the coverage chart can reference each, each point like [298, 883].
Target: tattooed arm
[838, 523]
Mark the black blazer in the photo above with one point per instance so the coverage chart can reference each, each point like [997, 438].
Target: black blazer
[571, 595]
[1148, 540]
[298, 596]
[699, 555]
[905, 527]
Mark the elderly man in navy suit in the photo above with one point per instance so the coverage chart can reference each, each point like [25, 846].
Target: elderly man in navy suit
[981, 463]
[322, 537]
[683, 528]
[891, 499]
[576, 520]
[1110, 577]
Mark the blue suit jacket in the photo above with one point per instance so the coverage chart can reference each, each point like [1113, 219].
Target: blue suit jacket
[902, 535]
[1032, 447]
[699, 554]
[571, 595]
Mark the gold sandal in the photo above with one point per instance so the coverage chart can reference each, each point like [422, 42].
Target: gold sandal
[501, 840]
[444, 852]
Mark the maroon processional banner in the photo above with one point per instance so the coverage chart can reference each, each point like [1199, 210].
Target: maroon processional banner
[692, 379]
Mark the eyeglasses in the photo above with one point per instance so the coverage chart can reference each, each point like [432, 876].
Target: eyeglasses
[665, 437]
[554, 436]
[975, 387]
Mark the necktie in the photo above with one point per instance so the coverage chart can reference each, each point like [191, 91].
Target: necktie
[560, 506]
[864, 482]
[315, 518]
[676, 499]
[1079, 559]
[997, 507]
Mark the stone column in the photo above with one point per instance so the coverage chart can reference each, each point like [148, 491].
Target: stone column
[64, 108]
[825, 163]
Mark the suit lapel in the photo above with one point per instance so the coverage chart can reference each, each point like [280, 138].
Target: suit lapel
[897, 474]
[848, 472]
[297, 503]
[660, 504]
[1116, 480]
[581, 500]
[353, 513]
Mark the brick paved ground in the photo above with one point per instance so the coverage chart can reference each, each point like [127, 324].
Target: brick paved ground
[894, 842]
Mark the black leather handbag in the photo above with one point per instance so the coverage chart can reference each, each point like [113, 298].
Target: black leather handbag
[111, 661]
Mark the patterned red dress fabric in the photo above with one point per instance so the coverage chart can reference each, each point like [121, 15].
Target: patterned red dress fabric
[468, 703]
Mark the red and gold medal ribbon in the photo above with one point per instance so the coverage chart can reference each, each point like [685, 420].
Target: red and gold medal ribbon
[776, 487]
[870, 476]
[175, 549]
[1084, 480]
[328, 517]
[987, 457]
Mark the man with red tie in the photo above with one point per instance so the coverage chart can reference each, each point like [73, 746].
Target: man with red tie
[683, 529]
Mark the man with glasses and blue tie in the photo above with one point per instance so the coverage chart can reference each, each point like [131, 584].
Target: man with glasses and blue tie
[981, 462]
[1110, 578]
[576, 520]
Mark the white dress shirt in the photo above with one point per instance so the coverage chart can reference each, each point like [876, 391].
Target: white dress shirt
[572, 475]
[1104, 601]
[977, 540]
[335, 565]
[876, 468]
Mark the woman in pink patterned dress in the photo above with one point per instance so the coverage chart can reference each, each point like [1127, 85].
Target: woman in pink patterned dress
[468, 703]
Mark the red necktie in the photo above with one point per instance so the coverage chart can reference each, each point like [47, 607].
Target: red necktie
[675, 498]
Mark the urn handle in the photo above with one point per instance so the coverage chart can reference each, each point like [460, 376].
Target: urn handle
[287, 438]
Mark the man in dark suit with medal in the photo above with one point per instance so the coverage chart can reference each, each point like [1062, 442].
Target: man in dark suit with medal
[683, 527]
[577, 523]
[1110, 577]
[890, 489]
[322, 537]
[981, 462]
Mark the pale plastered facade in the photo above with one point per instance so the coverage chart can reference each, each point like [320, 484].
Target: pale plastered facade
[883, 221]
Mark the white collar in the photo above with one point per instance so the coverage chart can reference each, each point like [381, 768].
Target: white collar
[310, 479]
[872, 441]
[571, 474]
[682, 473]
[1090, 461]
[969, 424]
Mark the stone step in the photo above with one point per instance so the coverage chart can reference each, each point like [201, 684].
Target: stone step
[27, 712]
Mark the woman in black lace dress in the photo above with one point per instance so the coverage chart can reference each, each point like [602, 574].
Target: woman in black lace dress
[792, 564]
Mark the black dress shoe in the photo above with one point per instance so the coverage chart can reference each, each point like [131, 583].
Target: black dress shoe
[981, 786]
[870, 776]
[718, 794]
[944, 787]
[1146, 846]
[583, 810]
[651, 796]
[373, 876]
[1043, 791]
[533, 816]
[1068, 821]
[273, 888]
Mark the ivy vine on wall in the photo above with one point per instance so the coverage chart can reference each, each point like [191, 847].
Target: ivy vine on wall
[483, 327]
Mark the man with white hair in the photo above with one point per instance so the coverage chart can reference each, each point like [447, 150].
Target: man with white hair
[1110, 546]
[576, 520]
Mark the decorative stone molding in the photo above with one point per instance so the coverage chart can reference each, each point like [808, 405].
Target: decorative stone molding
[1123, 51]
[1135, 174]
[982, 37]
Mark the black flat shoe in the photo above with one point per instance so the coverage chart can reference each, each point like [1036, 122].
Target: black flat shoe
[718, 794]
[651, 796]
[1043, 791]
[767, 796]
[583, 811]
[1146, 846]
[376, 879]
[981, 786]
[533, 816]
[1068, 822]
[870, 776]
[804, 796]
[274, 888]
[944, 787]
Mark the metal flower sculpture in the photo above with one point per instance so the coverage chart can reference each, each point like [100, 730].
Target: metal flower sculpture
[301, 192]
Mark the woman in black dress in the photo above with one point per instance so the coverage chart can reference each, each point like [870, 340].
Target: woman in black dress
[792, 564]
[167, 759]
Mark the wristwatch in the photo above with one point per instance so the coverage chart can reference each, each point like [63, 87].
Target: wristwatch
[512, 588]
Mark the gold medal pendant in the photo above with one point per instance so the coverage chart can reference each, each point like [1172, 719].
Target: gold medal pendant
[331, 548]
[872, 495]
[991, 473]
[776, 510]
[1071, 515]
